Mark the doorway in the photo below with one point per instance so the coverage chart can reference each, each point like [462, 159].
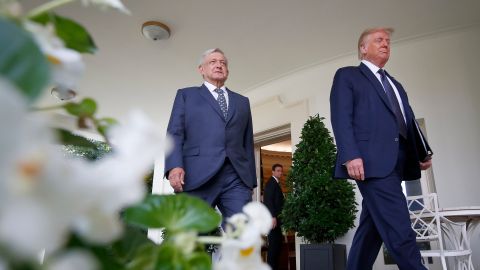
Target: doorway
[272, 147]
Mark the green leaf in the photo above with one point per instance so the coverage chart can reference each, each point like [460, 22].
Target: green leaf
[85, 108]
[21, 61]
[133, 239]
[200, 261]
[171, 257]
[174, 213]
[73, 34]
[104, 124]
[102, 253]
[167, 256]
[68, 138]
[145, 258]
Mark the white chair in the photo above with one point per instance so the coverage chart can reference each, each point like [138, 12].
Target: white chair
[430, 226]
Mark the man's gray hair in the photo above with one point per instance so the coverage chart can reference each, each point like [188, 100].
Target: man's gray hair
[369, 31]
[210, 51]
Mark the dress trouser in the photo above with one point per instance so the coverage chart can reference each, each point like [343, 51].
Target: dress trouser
[225, 190]
[275, 240]
[385, 218]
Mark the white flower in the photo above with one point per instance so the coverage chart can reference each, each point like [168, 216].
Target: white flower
[75, 259]
[118, 177]
[236, 224]
[26, 238]
[12, 114]
[243, 239]
[44, 195]
[116, 180]
[116, 4]
[97, 225]
[185, 241]
[259, 215]
[237, 258]
[23, 152]
[67, 64]
[238, 255]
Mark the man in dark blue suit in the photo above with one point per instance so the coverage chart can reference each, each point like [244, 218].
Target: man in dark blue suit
[373, 125]
[211, 128]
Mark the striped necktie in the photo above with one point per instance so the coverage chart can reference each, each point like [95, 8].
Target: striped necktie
[222, 102]
[395, 105]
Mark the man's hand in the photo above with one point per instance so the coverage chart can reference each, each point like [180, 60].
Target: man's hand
[425, 165]
[355, 169]
[274, 223]
[175, 176]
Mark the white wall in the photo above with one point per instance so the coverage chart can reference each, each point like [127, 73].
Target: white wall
[440, 74]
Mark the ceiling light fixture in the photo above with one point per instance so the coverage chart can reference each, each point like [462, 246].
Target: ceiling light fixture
[155, 30]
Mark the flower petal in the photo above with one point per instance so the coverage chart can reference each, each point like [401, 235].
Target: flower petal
[115, 4]
[259, 215]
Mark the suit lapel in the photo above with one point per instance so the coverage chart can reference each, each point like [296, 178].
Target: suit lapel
[277, 185]
[403, 96]
[205, 93]
[376, 84]
[232, 101]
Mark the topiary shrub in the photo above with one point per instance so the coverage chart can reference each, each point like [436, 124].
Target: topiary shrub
[317, 207]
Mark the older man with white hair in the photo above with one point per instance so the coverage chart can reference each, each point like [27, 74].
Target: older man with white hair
[211, 128]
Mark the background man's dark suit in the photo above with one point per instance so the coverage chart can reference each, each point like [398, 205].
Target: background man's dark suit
[273, 199]
[372, 151]
[214, 154]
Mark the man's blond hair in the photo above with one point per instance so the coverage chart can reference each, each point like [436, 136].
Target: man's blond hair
[369, 31]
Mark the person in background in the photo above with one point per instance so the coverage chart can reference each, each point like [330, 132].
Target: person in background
[273, 199]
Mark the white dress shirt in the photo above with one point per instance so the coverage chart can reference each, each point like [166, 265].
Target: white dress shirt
[212, 87]
[375, 70]
[276, 179]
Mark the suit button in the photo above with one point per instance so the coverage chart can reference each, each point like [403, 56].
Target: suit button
[396, 139]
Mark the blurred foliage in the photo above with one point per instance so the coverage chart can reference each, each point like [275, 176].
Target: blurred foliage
[21, 61]
[79, 146]
[49, 56]
[181, 216]
[72, 33]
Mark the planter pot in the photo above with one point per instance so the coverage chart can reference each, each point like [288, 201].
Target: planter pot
[323, 257]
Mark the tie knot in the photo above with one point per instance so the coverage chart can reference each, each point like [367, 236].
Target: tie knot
[218, 91]
[382, 73]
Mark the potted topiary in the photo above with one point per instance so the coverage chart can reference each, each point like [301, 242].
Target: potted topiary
[317, 207]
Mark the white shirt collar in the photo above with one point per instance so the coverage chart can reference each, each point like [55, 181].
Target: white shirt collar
[276, 179]
[212, 87]
[371, 66]
[375, 69]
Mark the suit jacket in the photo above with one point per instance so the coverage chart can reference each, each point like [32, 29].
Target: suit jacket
[273, 197]
[202, 138]
[365, 126]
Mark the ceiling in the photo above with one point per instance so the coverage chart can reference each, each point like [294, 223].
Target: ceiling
[283, 146]
[263, 39]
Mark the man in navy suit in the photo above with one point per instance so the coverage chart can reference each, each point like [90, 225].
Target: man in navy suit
[273, 199]
[211, 127]
[373, 126]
